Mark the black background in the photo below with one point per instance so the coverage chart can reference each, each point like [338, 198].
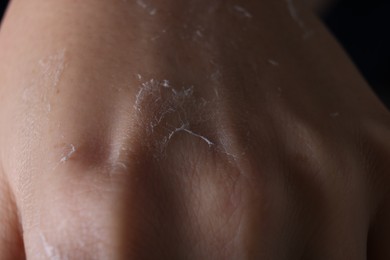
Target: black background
[363, 28]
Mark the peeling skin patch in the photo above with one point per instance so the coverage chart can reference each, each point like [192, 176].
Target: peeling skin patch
[41, 88]
[184, 128]
[147, 88]
[165, 83]
[152, 88]
[50, 251]
[121, 165]
[199, 136]
[227, 145]
[151, 10]
[168, 104]
[242, 11]
[53, 67]
[185, 92]
[67, 156]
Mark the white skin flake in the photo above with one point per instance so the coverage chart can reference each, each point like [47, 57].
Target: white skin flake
[199, 136]
[184, 92]
[273, 62]
[53, 67]
[50, 251]
[69, 154]
[151, 10]
[165, 83]
[147, 88]
[48, 78]
[152, 88]
[121, 165]
[242, 11]
[293, 12]
[295, 16]
[142, 4]
[199, 33]
[166, 101]
[185, 129]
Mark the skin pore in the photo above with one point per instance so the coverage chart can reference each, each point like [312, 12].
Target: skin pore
[144, 129]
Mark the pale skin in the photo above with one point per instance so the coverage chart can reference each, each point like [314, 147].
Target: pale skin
[186, 130]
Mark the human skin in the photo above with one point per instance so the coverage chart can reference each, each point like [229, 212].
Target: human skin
[186, 130]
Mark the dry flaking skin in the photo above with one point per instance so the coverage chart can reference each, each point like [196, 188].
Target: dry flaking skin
[68, 154]
[53, 67]
[37, 94]
[50, 251]
[46, 83]
[164, 111]
[167, 102]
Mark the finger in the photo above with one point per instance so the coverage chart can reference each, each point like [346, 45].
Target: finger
[67, 209]
[74, 215]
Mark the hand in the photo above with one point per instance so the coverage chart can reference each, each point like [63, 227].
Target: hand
[207, 130]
